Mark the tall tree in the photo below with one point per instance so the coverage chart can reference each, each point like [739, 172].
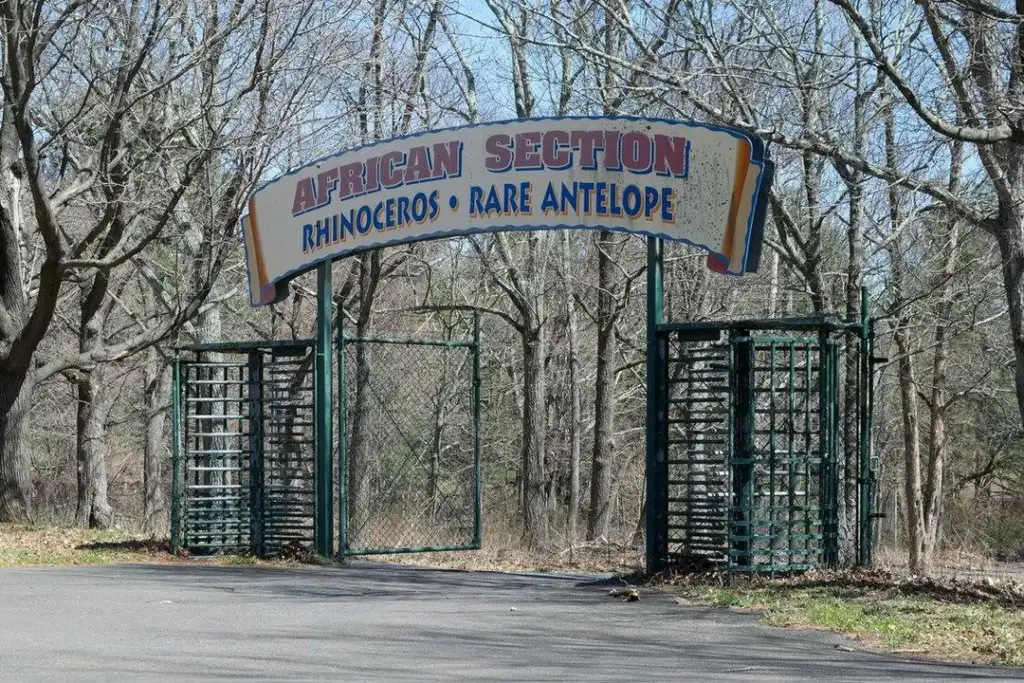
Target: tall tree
[86, 122]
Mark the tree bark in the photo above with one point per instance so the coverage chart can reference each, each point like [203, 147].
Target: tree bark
[535, 479]
[574, 393]
[358, 463]
[916, 541]
[599, 516]
[156, 391]
[16, 390]
[94, 510]
[1011, 248]
[17, 382]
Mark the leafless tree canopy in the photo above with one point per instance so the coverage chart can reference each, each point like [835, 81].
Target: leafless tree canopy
[133, 131]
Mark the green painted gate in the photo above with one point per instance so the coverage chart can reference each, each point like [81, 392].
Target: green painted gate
[244, 437]
[749, 470]
[243, 469]
[409, 444]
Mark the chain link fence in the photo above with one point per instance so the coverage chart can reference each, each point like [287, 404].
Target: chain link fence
[409, 445]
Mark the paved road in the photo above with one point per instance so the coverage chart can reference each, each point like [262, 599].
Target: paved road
[387, 623]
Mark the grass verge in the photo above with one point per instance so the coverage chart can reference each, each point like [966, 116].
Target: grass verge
[26, 545]
[887, 618]
[31, 545]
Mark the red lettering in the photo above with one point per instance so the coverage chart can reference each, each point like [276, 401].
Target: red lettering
[671, 155]
[418, 167]
[390, 169]
[499, 150]
[325, 184]
[350, 180]
[447, 159]
[555, 149]
[527, 147]
[305, 199]
[636, 152]
[587, 142]
[612, 140]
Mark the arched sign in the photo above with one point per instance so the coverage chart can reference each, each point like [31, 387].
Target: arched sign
[688, 182]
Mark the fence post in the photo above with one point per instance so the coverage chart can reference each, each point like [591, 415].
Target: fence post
[323, 536]
[342, 439]
[741, 456]
[656, 522]
[256, 521]
[478, 507]
[175, 455]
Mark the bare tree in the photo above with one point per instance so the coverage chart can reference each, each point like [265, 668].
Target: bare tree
[127, 131]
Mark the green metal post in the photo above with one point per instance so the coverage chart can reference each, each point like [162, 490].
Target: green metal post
[478, 506]
[175, 455]
[872, 458]
[656, 521]
[865, 479]
[741, 456]
[772, 500]
[322, 409]
[256, 437]
[342, 440]
[828, 404]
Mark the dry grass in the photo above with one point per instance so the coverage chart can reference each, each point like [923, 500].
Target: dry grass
[948, 563]
[28, 545]
[504, 551]
[591, 557]
[920, 617]
[24, 545]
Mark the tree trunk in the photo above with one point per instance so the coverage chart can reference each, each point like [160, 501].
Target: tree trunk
[16, 390]
[437, 431]
[356, 451]
[934, 484]
[358, 462]
[157, 390]
[851, 384]
[535, 479]
[918, 558]
[599, 516]
[94, 510]
[574, 395]
[1011, 248]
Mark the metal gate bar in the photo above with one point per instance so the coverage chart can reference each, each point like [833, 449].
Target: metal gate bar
[751, 438]
[698, 424]
[216, 445]
[242, 448]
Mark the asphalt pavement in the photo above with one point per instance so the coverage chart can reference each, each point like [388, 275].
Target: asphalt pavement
[374, 622]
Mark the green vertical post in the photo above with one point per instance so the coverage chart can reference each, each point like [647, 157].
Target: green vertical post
[342, 439]
[656, 521]
[829, 426]
[741, 457]
[771, 458]
[322, 410]
[865, 479]
[790, 454]
[175, 455]
[478, 506]
[257, 522]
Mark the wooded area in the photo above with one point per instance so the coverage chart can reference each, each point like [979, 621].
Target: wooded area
[133, 132]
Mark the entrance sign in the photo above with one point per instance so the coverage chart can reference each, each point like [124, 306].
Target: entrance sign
[688, 182]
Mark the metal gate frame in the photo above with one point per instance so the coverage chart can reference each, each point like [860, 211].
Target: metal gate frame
[271, 514]
[473, 345]
[742, 338]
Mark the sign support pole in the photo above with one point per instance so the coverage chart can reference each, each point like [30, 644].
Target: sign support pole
[656, 545]
[323, 534]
